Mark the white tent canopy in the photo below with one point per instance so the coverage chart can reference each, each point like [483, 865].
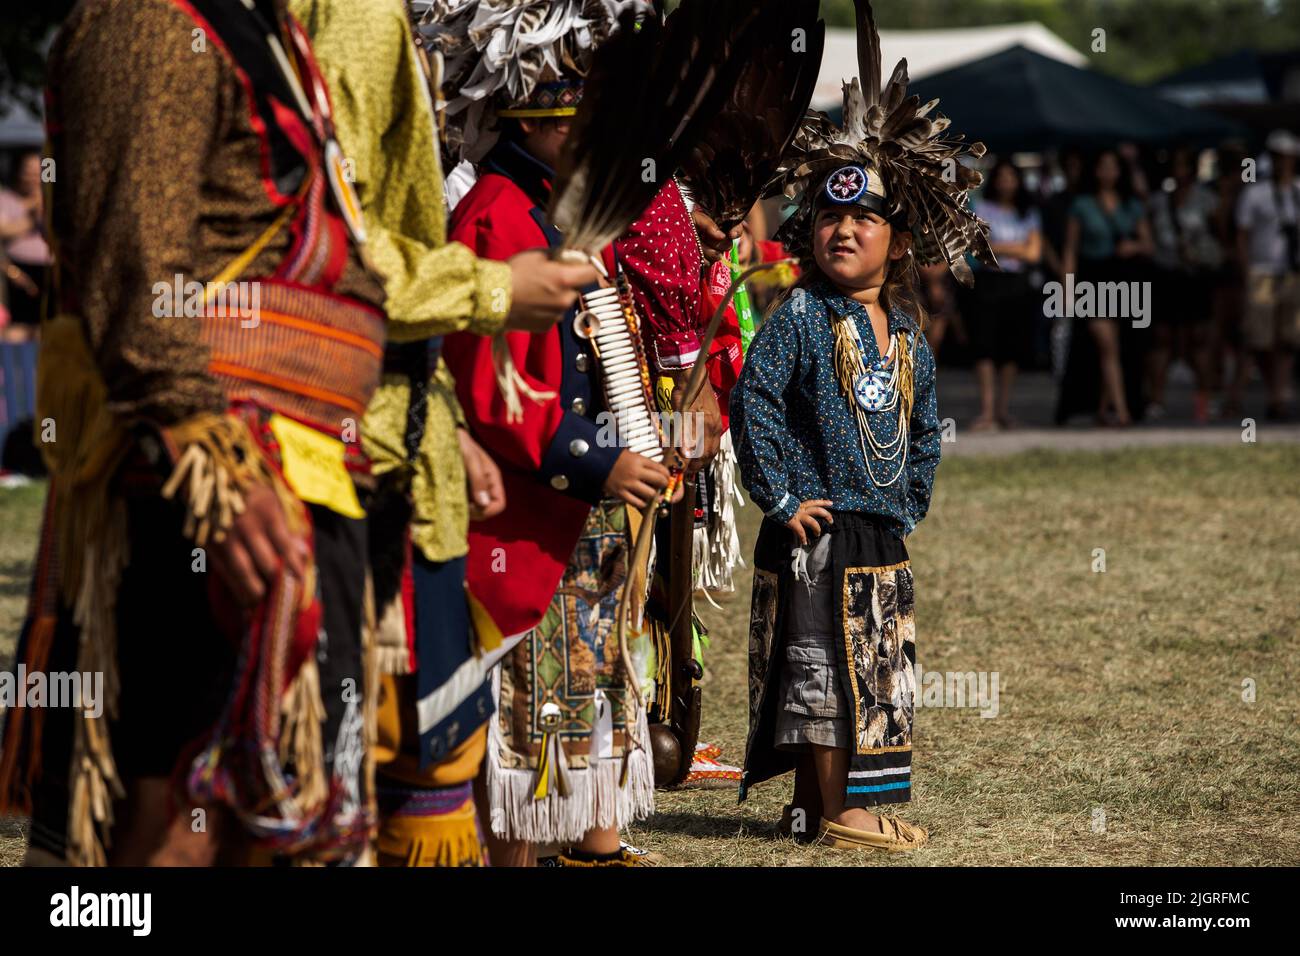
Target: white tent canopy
[19, 126]
[932, 51]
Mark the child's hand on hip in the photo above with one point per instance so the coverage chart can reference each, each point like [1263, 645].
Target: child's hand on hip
[806, 518]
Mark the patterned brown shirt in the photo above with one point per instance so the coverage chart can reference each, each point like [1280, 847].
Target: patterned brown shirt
[157, 173]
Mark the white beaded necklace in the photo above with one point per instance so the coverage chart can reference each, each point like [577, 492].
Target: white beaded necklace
[864, 381]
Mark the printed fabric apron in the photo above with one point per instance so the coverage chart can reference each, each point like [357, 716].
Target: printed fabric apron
[568, 749]
[874, 601]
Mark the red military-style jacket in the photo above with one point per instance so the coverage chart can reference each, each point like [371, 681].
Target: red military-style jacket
[553, 467]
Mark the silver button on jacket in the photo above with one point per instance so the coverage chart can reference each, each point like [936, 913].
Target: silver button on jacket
[578, 447]
[559, 482]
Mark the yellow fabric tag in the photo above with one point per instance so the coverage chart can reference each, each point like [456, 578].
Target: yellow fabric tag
[485, 629]
[664, 393]
[313, 467]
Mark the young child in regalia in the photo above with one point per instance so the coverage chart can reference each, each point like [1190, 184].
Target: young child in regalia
[838, 437]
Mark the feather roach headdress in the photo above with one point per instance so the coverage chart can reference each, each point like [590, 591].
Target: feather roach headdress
[891, 156]
[497, 55]
[740, 149]
[652, 93]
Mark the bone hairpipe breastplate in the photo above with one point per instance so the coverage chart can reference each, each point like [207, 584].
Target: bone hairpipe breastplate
[608, 320]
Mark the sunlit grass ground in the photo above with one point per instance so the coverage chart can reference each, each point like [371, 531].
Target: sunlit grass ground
[20, 520]
[1120, 692]
[1122, 735]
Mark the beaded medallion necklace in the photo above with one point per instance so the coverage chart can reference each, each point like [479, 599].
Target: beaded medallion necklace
[871, 390]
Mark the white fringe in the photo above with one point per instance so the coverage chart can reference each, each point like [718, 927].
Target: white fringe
[715, 552]
[392, 656]
[595, 799]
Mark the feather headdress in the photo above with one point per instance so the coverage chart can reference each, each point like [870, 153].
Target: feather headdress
[653, 93]
[901, 141]
[495, 53]
[741, 148]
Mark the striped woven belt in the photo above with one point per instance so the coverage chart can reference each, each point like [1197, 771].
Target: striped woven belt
[420, 802]
[310, 355]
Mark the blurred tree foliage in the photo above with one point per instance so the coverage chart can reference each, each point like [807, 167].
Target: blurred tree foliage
[1145, 39]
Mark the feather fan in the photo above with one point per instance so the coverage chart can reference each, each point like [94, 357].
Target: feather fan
[740, 150]
[904, 139]
[650, 95]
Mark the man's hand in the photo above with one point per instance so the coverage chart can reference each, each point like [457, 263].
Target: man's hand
[714, 241]
[256, 546]
[487, 494]
[805, 519]
[542, 290]
[637, 479]
[701, 425]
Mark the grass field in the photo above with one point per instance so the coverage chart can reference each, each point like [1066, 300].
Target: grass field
[1122, 735]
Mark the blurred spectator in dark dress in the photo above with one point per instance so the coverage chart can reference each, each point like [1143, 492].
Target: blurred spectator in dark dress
[999, 318]
[1187, 258]
[1230, 361]
[1058, 192]
[1268, 242]
[1107, 240]
[1056, 208]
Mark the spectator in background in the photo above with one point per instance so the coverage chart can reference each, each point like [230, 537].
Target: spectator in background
[1130, 157]
[1188, 256]
[999, 319]
[1057, 193]
[939, 296]
[1056, 210]
[1107, 237]
[1229, 289]
[1268, 242]
[22, 233]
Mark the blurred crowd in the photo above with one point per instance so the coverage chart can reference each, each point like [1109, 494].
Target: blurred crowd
[1214, 232]
[1209, 236]
[24, 253]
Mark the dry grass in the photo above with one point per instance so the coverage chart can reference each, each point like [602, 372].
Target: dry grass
[1119, 692]
[20, 522]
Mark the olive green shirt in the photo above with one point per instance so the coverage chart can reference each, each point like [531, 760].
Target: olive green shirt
[383, 116]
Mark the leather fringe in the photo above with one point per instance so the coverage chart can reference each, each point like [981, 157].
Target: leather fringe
[370, 702]
[94, 781]
[450, 839]
[302, 715]
[596, 798]
[510, 383]
[219, 462]
[716, 547]
[392, 655]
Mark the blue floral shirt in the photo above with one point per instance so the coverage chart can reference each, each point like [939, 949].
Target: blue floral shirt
[796, 434]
